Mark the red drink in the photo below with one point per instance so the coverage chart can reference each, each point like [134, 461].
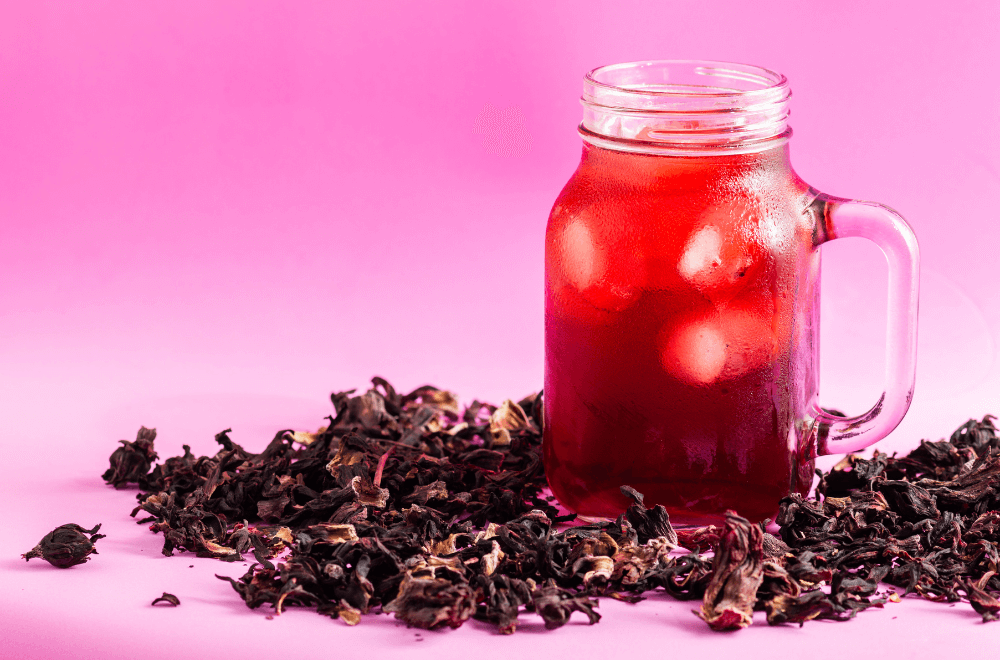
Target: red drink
[681, 299]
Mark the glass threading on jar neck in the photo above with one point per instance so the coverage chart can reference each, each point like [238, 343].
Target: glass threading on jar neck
[685, 108]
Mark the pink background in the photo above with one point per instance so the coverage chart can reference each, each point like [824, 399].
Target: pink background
[216, 213]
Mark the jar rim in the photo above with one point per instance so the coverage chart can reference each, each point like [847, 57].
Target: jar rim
[748, 80]
[685, 105]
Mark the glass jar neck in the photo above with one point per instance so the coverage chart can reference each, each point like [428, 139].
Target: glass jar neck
[692, 172]
[685, 108]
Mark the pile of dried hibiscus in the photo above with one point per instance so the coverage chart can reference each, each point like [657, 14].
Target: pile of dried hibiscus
[408, 504]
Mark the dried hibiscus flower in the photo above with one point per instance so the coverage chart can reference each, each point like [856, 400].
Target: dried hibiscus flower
[737, 572]
[406, 503]
[66, 545]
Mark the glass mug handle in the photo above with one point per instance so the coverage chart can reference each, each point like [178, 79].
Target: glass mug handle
[845, 218]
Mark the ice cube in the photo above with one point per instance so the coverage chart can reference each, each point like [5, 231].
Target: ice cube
[595, 262]
[721, 345]
[694, 352]
[583, 264]
[724, 253]
[701, 255]
[750, 341]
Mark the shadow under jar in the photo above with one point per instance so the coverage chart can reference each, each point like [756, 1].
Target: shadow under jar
[682, 270]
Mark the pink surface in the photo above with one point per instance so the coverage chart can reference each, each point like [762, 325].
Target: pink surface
[213, 215]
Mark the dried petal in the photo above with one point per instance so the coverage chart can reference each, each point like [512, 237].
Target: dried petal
[330, 533]
[369, 494]
[169, 599]
[648, 523]
[508, 417]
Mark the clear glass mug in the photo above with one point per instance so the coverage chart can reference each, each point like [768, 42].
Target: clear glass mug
[682, 271]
